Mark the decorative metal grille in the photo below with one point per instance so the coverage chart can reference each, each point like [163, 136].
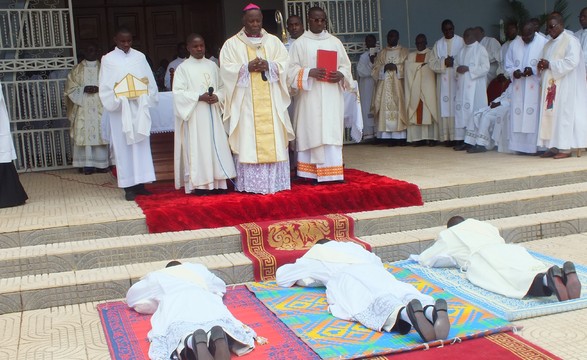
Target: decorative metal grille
[37, 52]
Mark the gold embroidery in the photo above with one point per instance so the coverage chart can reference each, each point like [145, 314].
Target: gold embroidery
[297, 235]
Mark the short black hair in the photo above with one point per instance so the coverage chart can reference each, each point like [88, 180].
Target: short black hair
[172, 263]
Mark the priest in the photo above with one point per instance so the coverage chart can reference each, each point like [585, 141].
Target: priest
[203, 161]
[319, 105]
[130, 120]
[253, 70]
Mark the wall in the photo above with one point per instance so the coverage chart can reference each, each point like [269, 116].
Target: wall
[233, 12]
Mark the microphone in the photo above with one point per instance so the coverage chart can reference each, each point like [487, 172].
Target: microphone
[263, 76]
[210, 90]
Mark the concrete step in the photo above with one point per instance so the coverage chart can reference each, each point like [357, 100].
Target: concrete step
[111, 282]
[14, 234]
[124, 250]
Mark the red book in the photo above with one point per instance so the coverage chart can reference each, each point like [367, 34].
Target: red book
[327, 59]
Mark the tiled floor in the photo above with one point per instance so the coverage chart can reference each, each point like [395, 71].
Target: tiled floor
[65, 198]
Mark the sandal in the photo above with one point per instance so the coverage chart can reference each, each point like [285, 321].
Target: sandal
[419, 321]
[571, 280]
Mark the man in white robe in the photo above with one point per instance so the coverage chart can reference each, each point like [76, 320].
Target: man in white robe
[472, 64]
[319, 106]
[130, 120]
[367, 85]
[84, 111]
[389, 102]
[203, 160]
[511, 33]
[582, 34]
[295, 29]
[182, 55]
[563, 124]
[493, 48]
[182, 299]
[253, 70]
[359, 288]
[507, 269]
[442, 63]
[485, 127]
[520, 65]
[11, 191]
[421, 99]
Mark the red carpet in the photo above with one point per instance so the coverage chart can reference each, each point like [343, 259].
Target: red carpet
[270, 244]
[172, 210]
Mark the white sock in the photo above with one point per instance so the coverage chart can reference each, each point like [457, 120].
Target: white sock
[403, 314]
[428, 313]
[544, 280]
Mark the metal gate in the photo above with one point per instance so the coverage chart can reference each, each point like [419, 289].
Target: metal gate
[37, 50]
[349, 20]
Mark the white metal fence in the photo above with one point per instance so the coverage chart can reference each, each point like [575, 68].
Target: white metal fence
[36, 52]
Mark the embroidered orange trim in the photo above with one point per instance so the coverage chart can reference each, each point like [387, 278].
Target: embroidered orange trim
[301, 79]
[330, 171]
[307, 168]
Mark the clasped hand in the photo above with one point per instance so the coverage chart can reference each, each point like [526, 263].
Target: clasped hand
[258, 65]
[90, 89]
[207, 98]
[323, 75]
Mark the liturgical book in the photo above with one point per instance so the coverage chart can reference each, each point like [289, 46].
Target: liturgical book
[327, 59]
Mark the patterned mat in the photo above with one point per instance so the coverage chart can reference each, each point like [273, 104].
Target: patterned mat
[304, 311]
[270, 244]
[455, 282]
[126, 330]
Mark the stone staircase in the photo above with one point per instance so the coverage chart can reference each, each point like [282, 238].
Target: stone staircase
[49, 269]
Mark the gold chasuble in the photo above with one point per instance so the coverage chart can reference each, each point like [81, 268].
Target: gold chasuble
[263, 114]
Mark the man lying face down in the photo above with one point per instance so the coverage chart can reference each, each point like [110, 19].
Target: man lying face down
[359, 288]
[507, 269]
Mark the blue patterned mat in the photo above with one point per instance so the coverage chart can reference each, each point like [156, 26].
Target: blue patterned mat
[454, 281]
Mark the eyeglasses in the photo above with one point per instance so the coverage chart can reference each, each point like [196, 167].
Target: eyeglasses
[552, 26]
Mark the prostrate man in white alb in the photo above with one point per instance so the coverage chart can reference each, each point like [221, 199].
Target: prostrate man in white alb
[84, 111]
[253, 66]
[319, 106]
[421, 100]
[472, 64]
[563, 124]
[203, 160]
[367, 85]
[507, 269]
[442, 63]
[186, 303]
[520, 65]
[359, 288]
[130, 120]
[389, 102]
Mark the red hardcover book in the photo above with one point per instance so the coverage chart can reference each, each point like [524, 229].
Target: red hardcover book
[327, 59]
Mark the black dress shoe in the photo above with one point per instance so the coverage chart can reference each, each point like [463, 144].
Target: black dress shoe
[462, 147]
[130, 195]
[440, 319]
[571, 280]
[554, 281]
[141, 190]
[477, 149]
[422, 325]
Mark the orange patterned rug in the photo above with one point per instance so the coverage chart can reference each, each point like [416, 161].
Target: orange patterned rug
[270, 244]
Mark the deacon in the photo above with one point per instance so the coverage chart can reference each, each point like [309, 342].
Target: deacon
[520, 65]
[493, 48]
[186, 303]
[511, 33]
[507, 269]
[442, 63]
[319, 106]
[253, 70]
[563, 125]
[203, 160]
[84, 111]
[130, 120]
[11, 191]
[359, 288]
[295, 29]
[472, 65]
[367, 84]
[389, 103]
[421, 101]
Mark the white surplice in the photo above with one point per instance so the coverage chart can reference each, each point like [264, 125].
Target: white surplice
[130, 120]
[477, 248]
[421, 98]
[182, 299]
[446, 83]
[493, 48]
[258, 136]
[358, 288]
[319, 107]
[471, 94]
[582, 36]
[172, 65]
[563, 123]
[202, 154]
[525, 114]
[366, 88]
